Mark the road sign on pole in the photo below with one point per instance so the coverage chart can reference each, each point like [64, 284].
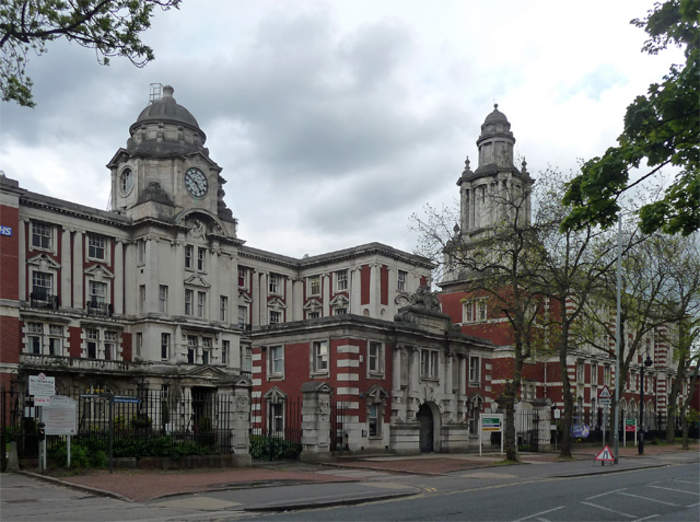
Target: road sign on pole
[605, 455]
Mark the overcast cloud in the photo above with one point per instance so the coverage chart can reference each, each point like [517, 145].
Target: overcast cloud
[335, 121]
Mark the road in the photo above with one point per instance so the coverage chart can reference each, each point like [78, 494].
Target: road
[669, 492]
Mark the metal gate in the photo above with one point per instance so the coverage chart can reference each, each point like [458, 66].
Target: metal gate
[337, 441]
[527, 430]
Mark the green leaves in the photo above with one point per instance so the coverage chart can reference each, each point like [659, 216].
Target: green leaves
[111, 27]
[662, 127]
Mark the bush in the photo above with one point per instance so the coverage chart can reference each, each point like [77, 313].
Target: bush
[272, 448]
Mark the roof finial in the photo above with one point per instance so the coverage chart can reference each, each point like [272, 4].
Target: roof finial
[524, 167]
[495, 106]
[466, 164]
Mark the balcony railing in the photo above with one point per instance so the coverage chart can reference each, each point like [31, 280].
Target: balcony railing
[41, 299]
[99, 308]
[74, 363]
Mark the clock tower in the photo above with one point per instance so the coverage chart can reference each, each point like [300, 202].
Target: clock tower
[165, 168]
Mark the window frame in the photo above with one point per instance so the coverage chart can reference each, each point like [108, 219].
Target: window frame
[277, 315]
[378, 371]
[314, 281]
[189, 302]
[272, 360]
[317, 357]
[223, 308]
[341, 283]
[432, 358]
[377, 416]
[95, 243]
[38, 226]
[201, 304]
[164, 346]
[401, 280]
[163, 299]
[189, 255]
[475, 370]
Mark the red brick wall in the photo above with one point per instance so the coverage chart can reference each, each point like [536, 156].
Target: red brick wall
[9, 254]
[384, 285]
[10, 343]
[127, 354]
[364, 284]
[74, 337]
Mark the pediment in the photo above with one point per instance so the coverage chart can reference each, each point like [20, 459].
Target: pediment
[274, 395]
[276, 302]
[197, 280]
[242, 381]
[376, 394]
[244, 297]
[208, 372]
[43, 261]
[313, 304]
[340, 300]
[99, 271]
[315, 386]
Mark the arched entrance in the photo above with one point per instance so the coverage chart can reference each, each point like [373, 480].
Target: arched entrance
[429, 420]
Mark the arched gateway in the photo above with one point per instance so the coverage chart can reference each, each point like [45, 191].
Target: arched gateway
[428, 417]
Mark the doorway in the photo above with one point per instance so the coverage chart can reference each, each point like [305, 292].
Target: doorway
[426, 430]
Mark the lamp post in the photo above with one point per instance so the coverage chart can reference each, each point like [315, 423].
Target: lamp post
[647, 363]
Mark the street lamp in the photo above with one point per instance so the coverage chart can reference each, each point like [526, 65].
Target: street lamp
[647, 363]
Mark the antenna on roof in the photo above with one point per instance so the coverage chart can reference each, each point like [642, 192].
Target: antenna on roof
[155, 92]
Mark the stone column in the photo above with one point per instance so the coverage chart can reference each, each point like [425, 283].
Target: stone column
[255, 305]
[297, 300]
[118, 280]
[413, 382]
[355, 291]
[240, 427]
[78, 251]
[462, 386]
[325, 291]
[65, 268]
[375, 289]
[24, 292]
[398, 404]
[262, 302]
[316, 421]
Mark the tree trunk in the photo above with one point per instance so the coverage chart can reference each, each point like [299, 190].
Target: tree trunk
[565, 441]
[509, 442]
[672, 410]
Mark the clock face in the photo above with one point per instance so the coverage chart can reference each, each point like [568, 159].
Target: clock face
[196, 182]
[126, 181]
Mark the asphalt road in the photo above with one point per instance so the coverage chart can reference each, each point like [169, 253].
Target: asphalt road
[669, 493]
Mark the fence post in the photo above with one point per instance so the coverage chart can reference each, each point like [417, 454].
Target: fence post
[240, 429]
[316, 417]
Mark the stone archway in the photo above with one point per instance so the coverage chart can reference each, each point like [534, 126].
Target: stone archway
[428, 417]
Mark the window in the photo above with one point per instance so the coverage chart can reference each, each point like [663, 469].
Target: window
[606, 375]
[373, 420]
[98, 293]
[201, 258]
[191, 349]
[482, 310]
[225, 346]
[96, 247]
[242, 277]
[594, 374]
[189, 297]
[313, 315]
[42, 285]
[164, 346]
[201, 302]
[110, 345]
[141, 252]
[142, 298]
[41, 235]
[223, 308]
[474, 370]
[315, 285]
[139, 343]
[275, 317]
[402, 281]
[35, 331]
[320, 356]
[474, 310]
[375, 357]
[246, 359]
[579, 372]
[274, 283]
[275, 419]
[92, 337]
[55, 339]
[242, 316]
[340, 310]
[206, 349]
[189, 251]
[341, 280]
[163, 299]
[276, 360]
[429, 364]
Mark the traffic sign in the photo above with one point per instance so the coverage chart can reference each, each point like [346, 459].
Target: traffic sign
[605, 455]
[604, 393]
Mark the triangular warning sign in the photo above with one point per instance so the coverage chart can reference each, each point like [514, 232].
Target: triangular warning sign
[604, 393]
[605, 455]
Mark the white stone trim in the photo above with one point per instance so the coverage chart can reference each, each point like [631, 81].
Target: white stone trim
[256, 369]
[256, 394]
[256, 419]
[257, 357]
[348, 363]
[348, 377]
[255, 406]
[257, 382]
[347, 391]
[348, 348]
[348, 405]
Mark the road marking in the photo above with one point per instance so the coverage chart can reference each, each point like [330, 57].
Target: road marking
[650, 499]
[430, 490]
[645, 518]
[540, 513]
[606, 493]
[678, 490]
[693, 505]
[685, 482]
[608, 509]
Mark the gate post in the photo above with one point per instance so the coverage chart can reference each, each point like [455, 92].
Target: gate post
[316, 421]
[240, 429]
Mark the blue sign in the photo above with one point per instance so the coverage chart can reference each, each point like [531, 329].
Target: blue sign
[128, 400]
[580, 431]
[5, 230]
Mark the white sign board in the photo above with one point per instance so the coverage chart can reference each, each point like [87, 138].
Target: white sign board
[60, 415]
[42, 388]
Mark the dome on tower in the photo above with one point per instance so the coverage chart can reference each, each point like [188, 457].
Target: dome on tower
[495, 125]
[496, 116]
[166, 110]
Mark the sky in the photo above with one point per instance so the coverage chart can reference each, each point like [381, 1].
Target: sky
[335, 121]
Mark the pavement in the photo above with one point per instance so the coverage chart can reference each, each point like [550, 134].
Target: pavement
[364, 478]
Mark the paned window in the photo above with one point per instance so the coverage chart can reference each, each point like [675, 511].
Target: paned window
[579, 372]
[189, 252]
[42, 284]
[594, 374]
[276, 360]
[242, 277]
[402, 281]
[341, 278]
[320, 356]
[163, 299]
[35, 333]
[315, 285]
[223, 308]
[201, 302]
[92, 337]
[55, 339]
[189, 297]
[606, 375]
[276, 417]
[96, 246]
[139, 343]
[274, 284]
[313, 315]
[201, 258]
[110, 345]
[474, 370]
[142, 298]
[164, 346]
[474, 310]
[429, 363]
[275, 317]
[375, 357]
[246, 359]
[191, 349]
[242, 316]
[225, 348]
[41, 235]
[98, 292]
[373, 420]
[340, 310]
